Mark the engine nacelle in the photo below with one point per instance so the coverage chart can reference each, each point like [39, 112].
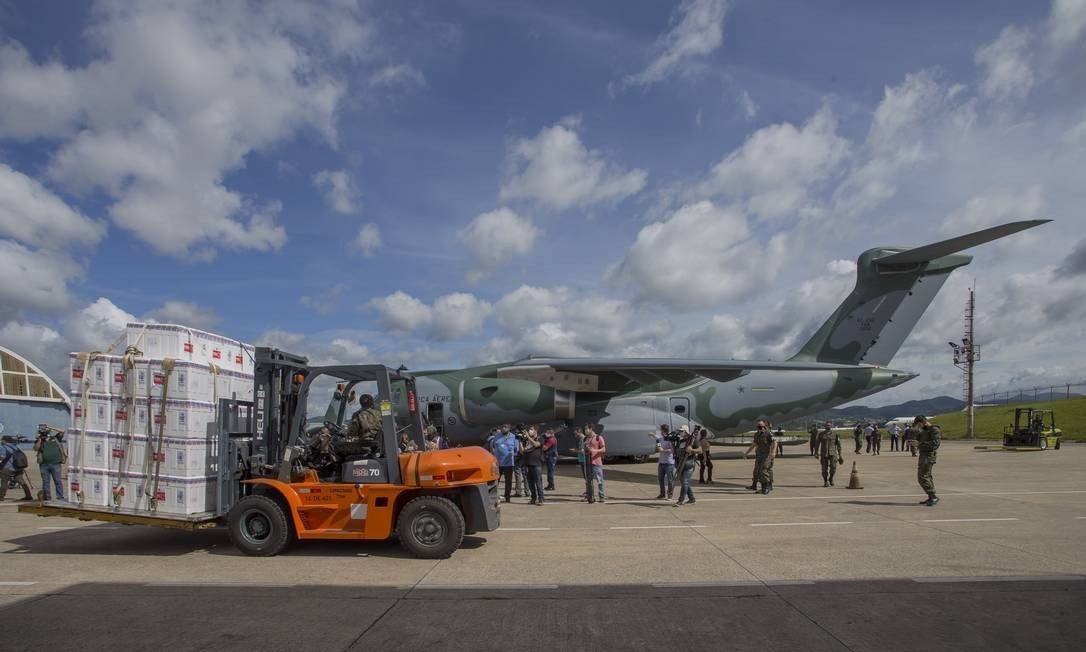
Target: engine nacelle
[492, 401]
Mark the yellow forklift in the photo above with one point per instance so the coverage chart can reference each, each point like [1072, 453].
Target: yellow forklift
[1032, 428]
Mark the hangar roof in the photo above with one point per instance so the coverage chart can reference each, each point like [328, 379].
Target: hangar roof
[20, 379]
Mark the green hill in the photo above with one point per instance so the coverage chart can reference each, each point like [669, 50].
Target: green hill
[1070, 418]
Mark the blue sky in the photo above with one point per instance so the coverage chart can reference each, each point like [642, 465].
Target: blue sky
[459, 182]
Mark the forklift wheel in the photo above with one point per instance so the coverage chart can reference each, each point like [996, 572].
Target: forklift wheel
[1057, 446]
[430, 527]
[258, 526]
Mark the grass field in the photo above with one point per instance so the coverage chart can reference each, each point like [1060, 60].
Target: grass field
[1070, 418]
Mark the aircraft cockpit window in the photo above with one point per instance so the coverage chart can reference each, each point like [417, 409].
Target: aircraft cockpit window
[679, 409]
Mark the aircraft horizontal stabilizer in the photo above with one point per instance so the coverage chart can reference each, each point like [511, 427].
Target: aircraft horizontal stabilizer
[954, 245]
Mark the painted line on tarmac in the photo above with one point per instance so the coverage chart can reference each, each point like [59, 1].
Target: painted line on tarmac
[654, 527]
[1001, 578]
[487, 587]
[833, 496]
[805, 523]
[17, 583]
[523, 529]
[218, 585]
[695, 585]
[964, 520]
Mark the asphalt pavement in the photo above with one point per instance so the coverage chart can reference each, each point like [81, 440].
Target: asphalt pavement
[998, 564]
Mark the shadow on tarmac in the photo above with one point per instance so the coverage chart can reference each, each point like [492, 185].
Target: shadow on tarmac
[847, 615]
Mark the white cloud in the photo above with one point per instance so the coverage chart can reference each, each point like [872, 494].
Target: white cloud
[556, 170]
[39, 344]
[400, 312]
[750, 109]
[458, 315]
[698, 30]
[34, 280]
[326, 302]
[996, 206]
[185, 313]
[177, 98]
[400, 74]
[451, 317]
[698, 258]
[496, 238]
[35, 216]
[368, 240]
[286, 340]
[339, 190]
[96, 326]
[1007, 74]
[842, 266]
[1067, 22]
[775, 168]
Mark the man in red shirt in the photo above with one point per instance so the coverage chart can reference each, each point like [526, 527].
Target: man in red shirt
[594, 449]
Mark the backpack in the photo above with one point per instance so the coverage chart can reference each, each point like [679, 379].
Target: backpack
[18, 460]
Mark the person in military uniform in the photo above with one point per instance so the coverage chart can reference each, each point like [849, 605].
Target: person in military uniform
[363, 433]
[764, 446]
[829, 453]
[812, 430]
[909, 439]
[928, 438]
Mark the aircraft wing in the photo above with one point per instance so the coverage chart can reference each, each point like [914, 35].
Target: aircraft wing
[618, 374]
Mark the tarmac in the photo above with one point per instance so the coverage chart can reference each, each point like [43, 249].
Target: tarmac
[998, 564]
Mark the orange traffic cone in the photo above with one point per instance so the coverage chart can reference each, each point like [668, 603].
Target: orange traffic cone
[854, 478]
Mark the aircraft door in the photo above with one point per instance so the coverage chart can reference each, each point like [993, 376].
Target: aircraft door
[435, 416]
[679, 412]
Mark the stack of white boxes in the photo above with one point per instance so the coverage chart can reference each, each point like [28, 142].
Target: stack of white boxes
[114, 463]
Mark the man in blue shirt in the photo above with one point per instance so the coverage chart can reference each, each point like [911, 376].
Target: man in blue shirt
[506, 448]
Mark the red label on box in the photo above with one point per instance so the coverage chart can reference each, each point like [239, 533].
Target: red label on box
[237, 359]
[160, 418]
[160, 496]
[77, 372]
[217, 354]
[118, 377]
[120, 415]
[188, 347]
[158, 457]
[118, 453]
[160, 379]
[119, 491]
[78, 411]
[75, 486]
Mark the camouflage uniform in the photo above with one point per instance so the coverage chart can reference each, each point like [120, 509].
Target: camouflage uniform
[928, 439]
[829, 454]
[813, 432]
[763, 460]
[365, 424]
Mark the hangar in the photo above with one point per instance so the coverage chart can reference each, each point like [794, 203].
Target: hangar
[28, 397]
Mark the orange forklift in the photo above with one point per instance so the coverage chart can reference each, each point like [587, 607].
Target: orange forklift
[282, 477]
[296, 485]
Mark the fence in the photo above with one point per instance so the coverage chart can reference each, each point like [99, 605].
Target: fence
[1055, 392]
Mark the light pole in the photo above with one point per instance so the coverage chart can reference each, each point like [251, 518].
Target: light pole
[965, 355]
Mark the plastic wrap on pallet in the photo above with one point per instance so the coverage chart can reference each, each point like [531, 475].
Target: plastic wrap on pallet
[176, 496]
[190, 344]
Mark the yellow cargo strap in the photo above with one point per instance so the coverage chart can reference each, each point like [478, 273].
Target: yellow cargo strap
[167, 369]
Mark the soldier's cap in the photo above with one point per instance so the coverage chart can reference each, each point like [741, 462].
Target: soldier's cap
[684, 428]
[920, 419]
[43, 427]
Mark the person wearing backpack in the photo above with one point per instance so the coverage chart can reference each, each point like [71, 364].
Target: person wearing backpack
[51, 457]
[13, 465]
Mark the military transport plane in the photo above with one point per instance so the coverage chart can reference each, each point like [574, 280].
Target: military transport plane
[844, 360]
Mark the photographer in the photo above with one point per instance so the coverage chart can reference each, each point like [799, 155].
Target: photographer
[13, 467]
[688, 456]
[665, 467]
[51, 456]
[533, 464]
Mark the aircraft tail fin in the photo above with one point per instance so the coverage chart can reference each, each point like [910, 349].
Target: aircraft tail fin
[894, 286]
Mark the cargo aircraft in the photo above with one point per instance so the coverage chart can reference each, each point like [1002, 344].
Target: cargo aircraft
[846, 359]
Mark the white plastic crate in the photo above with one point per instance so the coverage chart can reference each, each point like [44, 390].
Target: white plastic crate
[183, 419]
[98, 375]
[190, 344]
[98, 412]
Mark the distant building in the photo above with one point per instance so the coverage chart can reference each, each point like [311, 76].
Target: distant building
[28, 397]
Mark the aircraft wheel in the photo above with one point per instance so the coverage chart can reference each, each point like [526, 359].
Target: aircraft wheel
[430, 527]
[259, 527]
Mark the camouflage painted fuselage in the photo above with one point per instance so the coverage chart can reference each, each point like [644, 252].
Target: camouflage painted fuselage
[470, 402]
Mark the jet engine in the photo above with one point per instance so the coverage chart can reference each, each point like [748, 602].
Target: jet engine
[492, 401]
